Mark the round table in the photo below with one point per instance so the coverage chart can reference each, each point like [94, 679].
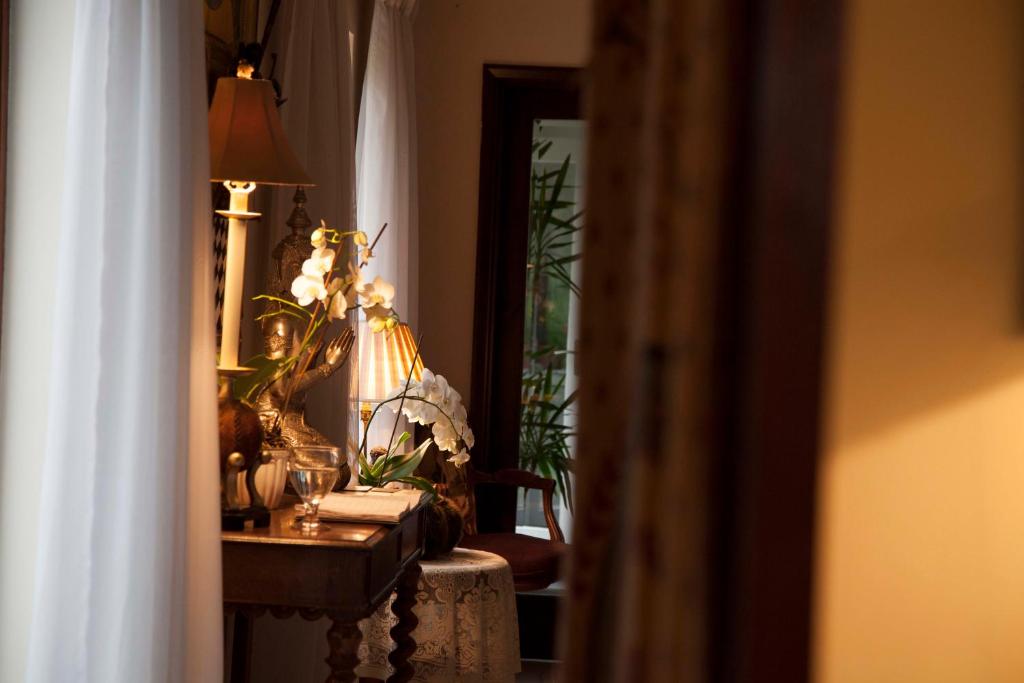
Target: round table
[467, 632]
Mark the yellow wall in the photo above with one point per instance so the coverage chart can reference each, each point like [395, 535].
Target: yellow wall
[454, 38]
[921, 552]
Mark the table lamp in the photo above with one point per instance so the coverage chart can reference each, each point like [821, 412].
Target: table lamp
[247, 147]
[384, 361]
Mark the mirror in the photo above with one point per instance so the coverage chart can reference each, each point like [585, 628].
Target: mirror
[529, 236]
[547, 418]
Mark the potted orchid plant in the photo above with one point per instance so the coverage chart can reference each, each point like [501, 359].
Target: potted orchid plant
[433, 402]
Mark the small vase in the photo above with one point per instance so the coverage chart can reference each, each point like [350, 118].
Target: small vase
[270, 479]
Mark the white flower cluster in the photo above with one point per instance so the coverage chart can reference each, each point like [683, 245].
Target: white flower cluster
[441, 406]
[318, 282]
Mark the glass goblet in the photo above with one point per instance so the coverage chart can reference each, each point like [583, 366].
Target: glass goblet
[313, 471]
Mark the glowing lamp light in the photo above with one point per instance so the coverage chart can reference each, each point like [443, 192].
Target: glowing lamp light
[384, 362]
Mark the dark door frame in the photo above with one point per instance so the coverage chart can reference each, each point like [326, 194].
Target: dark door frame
[513, 97]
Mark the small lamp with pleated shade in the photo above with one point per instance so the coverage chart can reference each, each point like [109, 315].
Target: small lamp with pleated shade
[384, 362]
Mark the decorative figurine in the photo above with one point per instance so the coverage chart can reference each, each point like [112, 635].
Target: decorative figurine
[283, 416]
[292, 250]
[289, 422]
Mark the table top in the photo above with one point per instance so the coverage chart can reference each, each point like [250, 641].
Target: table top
[337, 534]
[463, 560]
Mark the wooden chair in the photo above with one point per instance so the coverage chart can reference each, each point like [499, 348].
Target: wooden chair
[535, 562]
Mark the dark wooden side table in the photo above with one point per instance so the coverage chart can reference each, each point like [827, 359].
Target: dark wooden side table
[343, 573]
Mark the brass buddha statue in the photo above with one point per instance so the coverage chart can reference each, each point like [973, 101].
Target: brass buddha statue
[292, 250]
[281, 338]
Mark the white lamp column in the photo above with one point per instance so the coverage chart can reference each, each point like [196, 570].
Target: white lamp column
[238, 216]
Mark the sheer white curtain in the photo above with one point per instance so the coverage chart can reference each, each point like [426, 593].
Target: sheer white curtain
[386, 152]
[386, 167]
[128, 584]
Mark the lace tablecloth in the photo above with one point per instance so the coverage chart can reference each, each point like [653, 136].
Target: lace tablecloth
[468, 630]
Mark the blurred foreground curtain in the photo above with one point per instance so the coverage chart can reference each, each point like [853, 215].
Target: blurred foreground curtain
[128, 585]
[638, 590]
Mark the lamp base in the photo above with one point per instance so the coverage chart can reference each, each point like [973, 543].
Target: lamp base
[241, 215]
[235, 371]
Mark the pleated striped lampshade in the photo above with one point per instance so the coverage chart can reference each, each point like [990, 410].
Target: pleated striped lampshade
[384, 360]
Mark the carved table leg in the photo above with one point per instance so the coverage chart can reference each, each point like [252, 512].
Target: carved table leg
[401, 633]
[343, 638]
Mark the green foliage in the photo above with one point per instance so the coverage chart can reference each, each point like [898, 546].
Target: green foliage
[395, 466]
[543, 434]
[247, 387]
[544, 437]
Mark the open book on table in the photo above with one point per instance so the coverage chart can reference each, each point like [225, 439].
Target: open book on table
[374, 505]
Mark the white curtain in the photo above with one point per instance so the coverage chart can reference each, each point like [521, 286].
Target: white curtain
[386, 168]
[386, 152]
[128, 585]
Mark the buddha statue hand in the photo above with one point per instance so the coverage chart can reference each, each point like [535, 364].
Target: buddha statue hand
[339, 348]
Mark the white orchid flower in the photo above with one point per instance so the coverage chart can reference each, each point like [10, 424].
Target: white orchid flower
[414, 410]
[338, 306]
[319, 263]
[460, 458]
[306, 289]
[379, 323]
[435, 387]
[445, 436]
[458, 415]
[377, 293]
[318, 239]
[355, 283]
[452, 403]
[468, 438]
[420, 412]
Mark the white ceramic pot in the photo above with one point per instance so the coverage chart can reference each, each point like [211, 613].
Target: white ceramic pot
[270, 479]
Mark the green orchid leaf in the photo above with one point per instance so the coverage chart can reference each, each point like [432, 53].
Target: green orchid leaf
[364, 471]
[408, 464]
[401, 439]
[290, 304]
[247, 387]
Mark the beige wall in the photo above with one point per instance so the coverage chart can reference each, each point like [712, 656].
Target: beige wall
[454, 38]
[921, 563]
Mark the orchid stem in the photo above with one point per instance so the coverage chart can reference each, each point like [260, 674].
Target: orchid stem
[398, 415]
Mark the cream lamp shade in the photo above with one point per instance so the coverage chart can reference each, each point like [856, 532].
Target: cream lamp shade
[384, 361]
[247, 140]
